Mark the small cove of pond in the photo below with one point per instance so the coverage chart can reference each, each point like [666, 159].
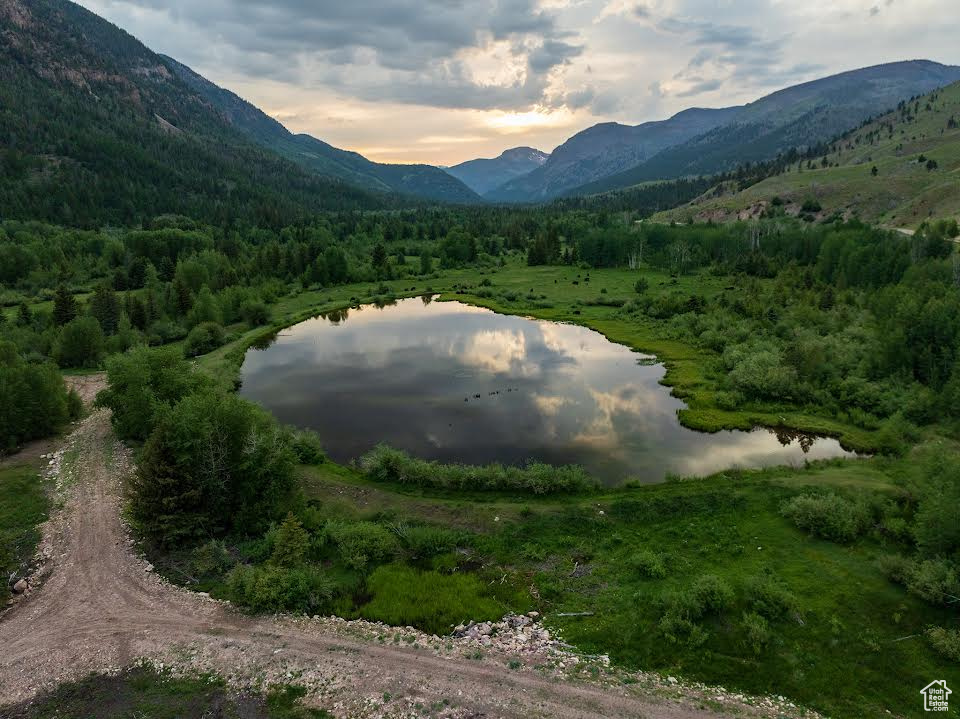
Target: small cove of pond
[458, 383]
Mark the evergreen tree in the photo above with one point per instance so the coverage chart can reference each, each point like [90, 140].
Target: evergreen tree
[379, 256]
[64, 306]
[24, 316]
[182, 297]
[106, 308]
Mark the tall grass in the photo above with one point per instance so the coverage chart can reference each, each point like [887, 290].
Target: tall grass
[405, 596]
[385, 464]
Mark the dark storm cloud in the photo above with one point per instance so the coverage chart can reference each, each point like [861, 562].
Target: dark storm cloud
[417, 43]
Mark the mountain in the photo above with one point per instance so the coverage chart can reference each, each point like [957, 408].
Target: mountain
[915, 150]
[420, 180]
[603, 150]
[97, 129]
[486, 174]
[798, 116]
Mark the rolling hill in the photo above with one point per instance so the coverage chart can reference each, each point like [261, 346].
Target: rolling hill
[900, 169]
[485, 174]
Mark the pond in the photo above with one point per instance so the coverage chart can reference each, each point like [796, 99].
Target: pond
[457, 383]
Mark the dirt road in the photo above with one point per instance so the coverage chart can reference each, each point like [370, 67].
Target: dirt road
[100, 608]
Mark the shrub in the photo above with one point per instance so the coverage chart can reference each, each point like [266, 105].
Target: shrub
[935, 581]
[424, 542]
[756, 632]
[211, 559]
[810, 205]
[80, 343]
[385, 464]
[897, 567]
[641, 285]
[34, 401]
[708, 594]
[255, 313]
[269, 588]
[828, 516]
[203, 338]
[306, 445]
[896, 435]
[290, 543]
[213, 464]
[769, 598]
[648, 564]
[139, 383]
[712, 593]
[936, 525]
[360, 543]
[945, 642]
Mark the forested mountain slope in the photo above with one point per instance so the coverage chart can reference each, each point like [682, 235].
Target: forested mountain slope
[698, 141]
[605, 149]
[95, 129]
[796, 117]
[901, 169]
[485, 174]
[421, 180]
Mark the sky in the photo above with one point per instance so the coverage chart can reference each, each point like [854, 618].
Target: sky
[444, 81]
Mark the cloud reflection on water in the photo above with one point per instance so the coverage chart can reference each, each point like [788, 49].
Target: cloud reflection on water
[409, 374]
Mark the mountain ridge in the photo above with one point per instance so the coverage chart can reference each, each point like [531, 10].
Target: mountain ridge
[900, 169]
[97, 129]
[604, 148]
[486, 173]
[421, 180]
[794, 116]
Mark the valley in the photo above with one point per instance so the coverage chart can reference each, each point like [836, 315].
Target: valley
[663, 421]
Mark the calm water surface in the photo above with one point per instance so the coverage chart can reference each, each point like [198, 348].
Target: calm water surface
[449, 381]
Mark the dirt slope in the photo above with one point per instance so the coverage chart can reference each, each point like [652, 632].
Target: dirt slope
[100, 608]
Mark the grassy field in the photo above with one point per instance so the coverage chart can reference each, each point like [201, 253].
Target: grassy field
[594, 555]
[23, 506]
[902, 193]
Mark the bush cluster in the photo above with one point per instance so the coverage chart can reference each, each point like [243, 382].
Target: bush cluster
[829, 516]
[682, 608]
[34, 401]
[385, 464]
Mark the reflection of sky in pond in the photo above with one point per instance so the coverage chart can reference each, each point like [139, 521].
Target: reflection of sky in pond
[409, 375]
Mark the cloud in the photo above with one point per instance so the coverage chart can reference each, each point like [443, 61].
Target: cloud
[408, 51]
[624, 8]
[701, 86]
[360, 73]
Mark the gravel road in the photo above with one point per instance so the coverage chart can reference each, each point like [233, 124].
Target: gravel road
[95, 606]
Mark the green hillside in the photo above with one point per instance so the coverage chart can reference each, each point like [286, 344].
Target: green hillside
[95, 129]
[898, 170]
[423, 181]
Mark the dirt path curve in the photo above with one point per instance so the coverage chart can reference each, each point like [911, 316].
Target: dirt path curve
[100, 608]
